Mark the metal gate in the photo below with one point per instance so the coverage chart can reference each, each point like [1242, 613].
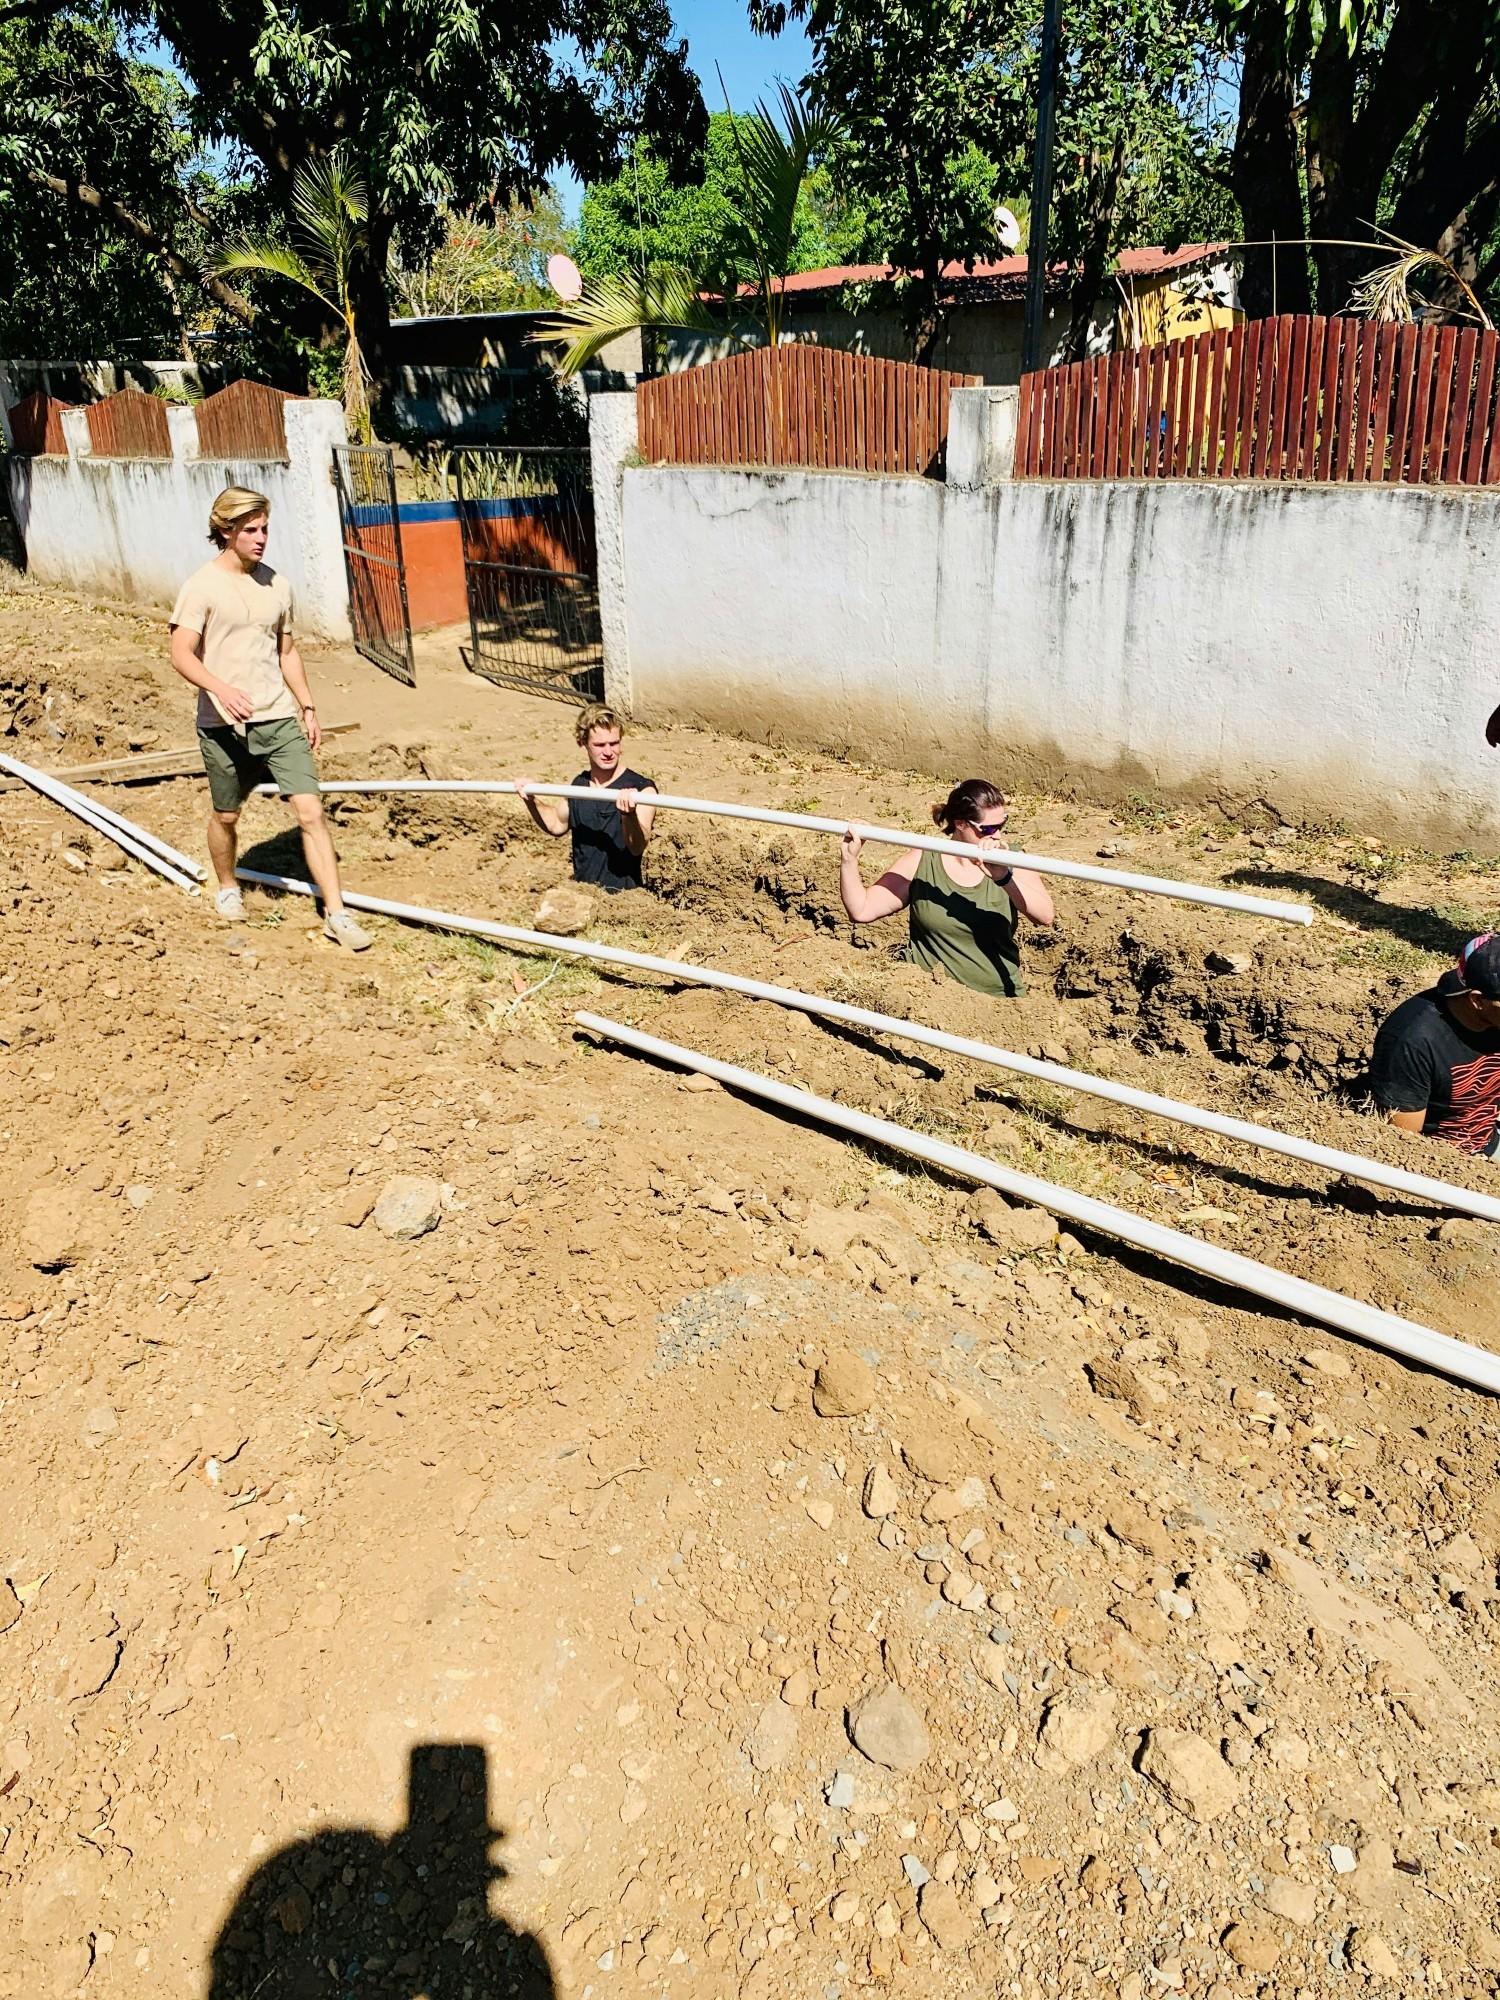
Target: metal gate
[530, 569]
[365, 476]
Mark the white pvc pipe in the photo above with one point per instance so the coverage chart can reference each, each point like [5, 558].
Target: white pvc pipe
[1446, 1193]
[1398, 1336]
[144, 834]
[129, 842]
[1081, 871]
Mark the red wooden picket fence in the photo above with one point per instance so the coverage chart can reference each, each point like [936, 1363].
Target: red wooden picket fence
[246, 420]
[36, 424]
[802, 406]
[1294, 397]
[129, 424]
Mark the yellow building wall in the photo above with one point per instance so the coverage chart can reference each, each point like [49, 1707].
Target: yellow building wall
[1155, 310]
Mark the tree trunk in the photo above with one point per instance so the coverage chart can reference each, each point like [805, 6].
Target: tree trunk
[1263, 170]
[370, 292]
[1104, 187]
[1428, 77]
[140, 231]
[1337, 196]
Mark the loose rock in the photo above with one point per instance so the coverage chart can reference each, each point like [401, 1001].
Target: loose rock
[409, 1206]
[844, 1386]
[1296, 1901]
[564, 910]
[56, 1230]
[943, 1916]
[773, 1738]
[1077, 1727]
[1252, 1947]
[1190, 1773]
[881, 1494]
[885, 1727]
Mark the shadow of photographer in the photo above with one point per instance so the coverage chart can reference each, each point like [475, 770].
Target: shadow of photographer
[347, 1912]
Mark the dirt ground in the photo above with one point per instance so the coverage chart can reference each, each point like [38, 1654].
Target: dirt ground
[713, 1558]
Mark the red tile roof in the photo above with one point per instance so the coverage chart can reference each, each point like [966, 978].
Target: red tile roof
[1002, 273]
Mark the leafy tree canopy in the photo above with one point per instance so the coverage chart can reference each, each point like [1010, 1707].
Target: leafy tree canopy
[939, 101]
[437, 105]
[644, 216]
[79, 284]
[485, 263]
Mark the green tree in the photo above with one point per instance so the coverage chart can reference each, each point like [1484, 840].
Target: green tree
[1138, 131]
[330, 217]
[939, 102]
[755, 247]
[1374, 112]
[443, 105]
[644, 216]
[485, 263]
[922, 94]
[81, 280]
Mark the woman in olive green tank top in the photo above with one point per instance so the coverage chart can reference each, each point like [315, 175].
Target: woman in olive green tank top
[963, 913]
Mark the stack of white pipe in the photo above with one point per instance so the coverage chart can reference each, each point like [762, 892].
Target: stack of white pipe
[147, 848]
[1043, 864]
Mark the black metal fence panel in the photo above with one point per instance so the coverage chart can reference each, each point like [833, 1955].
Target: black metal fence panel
[365, 476]
[531, 573]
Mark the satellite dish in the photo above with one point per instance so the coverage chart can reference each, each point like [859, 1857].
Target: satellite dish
[1007, 228]
[565, 278]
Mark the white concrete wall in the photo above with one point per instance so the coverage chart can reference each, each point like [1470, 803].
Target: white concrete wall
[134, 528]
[1329, 649]
[614, 439]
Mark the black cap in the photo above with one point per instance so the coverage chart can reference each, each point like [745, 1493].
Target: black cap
[1478, 966]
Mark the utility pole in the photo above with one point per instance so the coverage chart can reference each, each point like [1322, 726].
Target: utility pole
[1041, 192]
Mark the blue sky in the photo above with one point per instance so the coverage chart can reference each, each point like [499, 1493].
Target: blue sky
[718, 31]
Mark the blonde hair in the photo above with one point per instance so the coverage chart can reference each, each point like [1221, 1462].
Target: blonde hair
[234, 506]
[596, 716]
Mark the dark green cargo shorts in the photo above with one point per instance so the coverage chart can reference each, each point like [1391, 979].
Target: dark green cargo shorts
[275, 752]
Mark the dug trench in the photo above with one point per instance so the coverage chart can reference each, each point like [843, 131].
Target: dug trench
[486, 1514]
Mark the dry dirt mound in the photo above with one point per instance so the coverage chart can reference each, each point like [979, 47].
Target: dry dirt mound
[484, 1516]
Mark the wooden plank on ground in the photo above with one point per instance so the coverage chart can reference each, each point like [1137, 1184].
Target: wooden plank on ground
[143, 768]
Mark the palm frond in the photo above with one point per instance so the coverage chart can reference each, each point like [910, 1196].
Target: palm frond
[661, 296]
[277, 260]
[775, 159]
[330, 205]
[1385, 293]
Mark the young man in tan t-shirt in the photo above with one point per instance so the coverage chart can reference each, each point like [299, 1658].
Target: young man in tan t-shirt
[232, 640]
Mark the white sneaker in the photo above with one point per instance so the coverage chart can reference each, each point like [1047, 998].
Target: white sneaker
[342, 929]
[230, 905]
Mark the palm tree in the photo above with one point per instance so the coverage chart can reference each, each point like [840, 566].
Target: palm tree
[773, 160]
[330, 208]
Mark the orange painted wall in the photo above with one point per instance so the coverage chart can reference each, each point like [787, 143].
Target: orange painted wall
[434, 556]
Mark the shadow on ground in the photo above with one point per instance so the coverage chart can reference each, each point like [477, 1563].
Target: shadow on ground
[347, 1912]
[1426, 929]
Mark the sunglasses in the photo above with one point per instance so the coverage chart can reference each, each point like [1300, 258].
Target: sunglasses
[994, 826]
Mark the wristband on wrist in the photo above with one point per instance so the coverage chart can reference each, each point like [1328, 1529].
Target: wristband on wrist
[1004, 881]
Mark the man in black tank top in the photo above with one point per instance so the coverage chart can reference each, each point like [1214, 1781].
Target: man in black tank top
[610, 832]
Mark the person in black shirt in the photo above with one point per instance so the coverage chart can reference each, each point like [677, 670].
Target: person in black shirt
[1436, 1063]
[610, 834]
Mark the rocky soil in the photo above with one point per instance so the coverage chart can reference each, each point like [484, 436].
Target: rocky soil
[487, 1514]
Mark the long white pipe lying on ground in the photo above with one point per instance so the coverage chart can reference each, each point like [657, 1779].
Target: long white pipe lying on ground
[147, 838]
[1446, 1193]
[1398, 1336]
[1081, 871]
[130, 839]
